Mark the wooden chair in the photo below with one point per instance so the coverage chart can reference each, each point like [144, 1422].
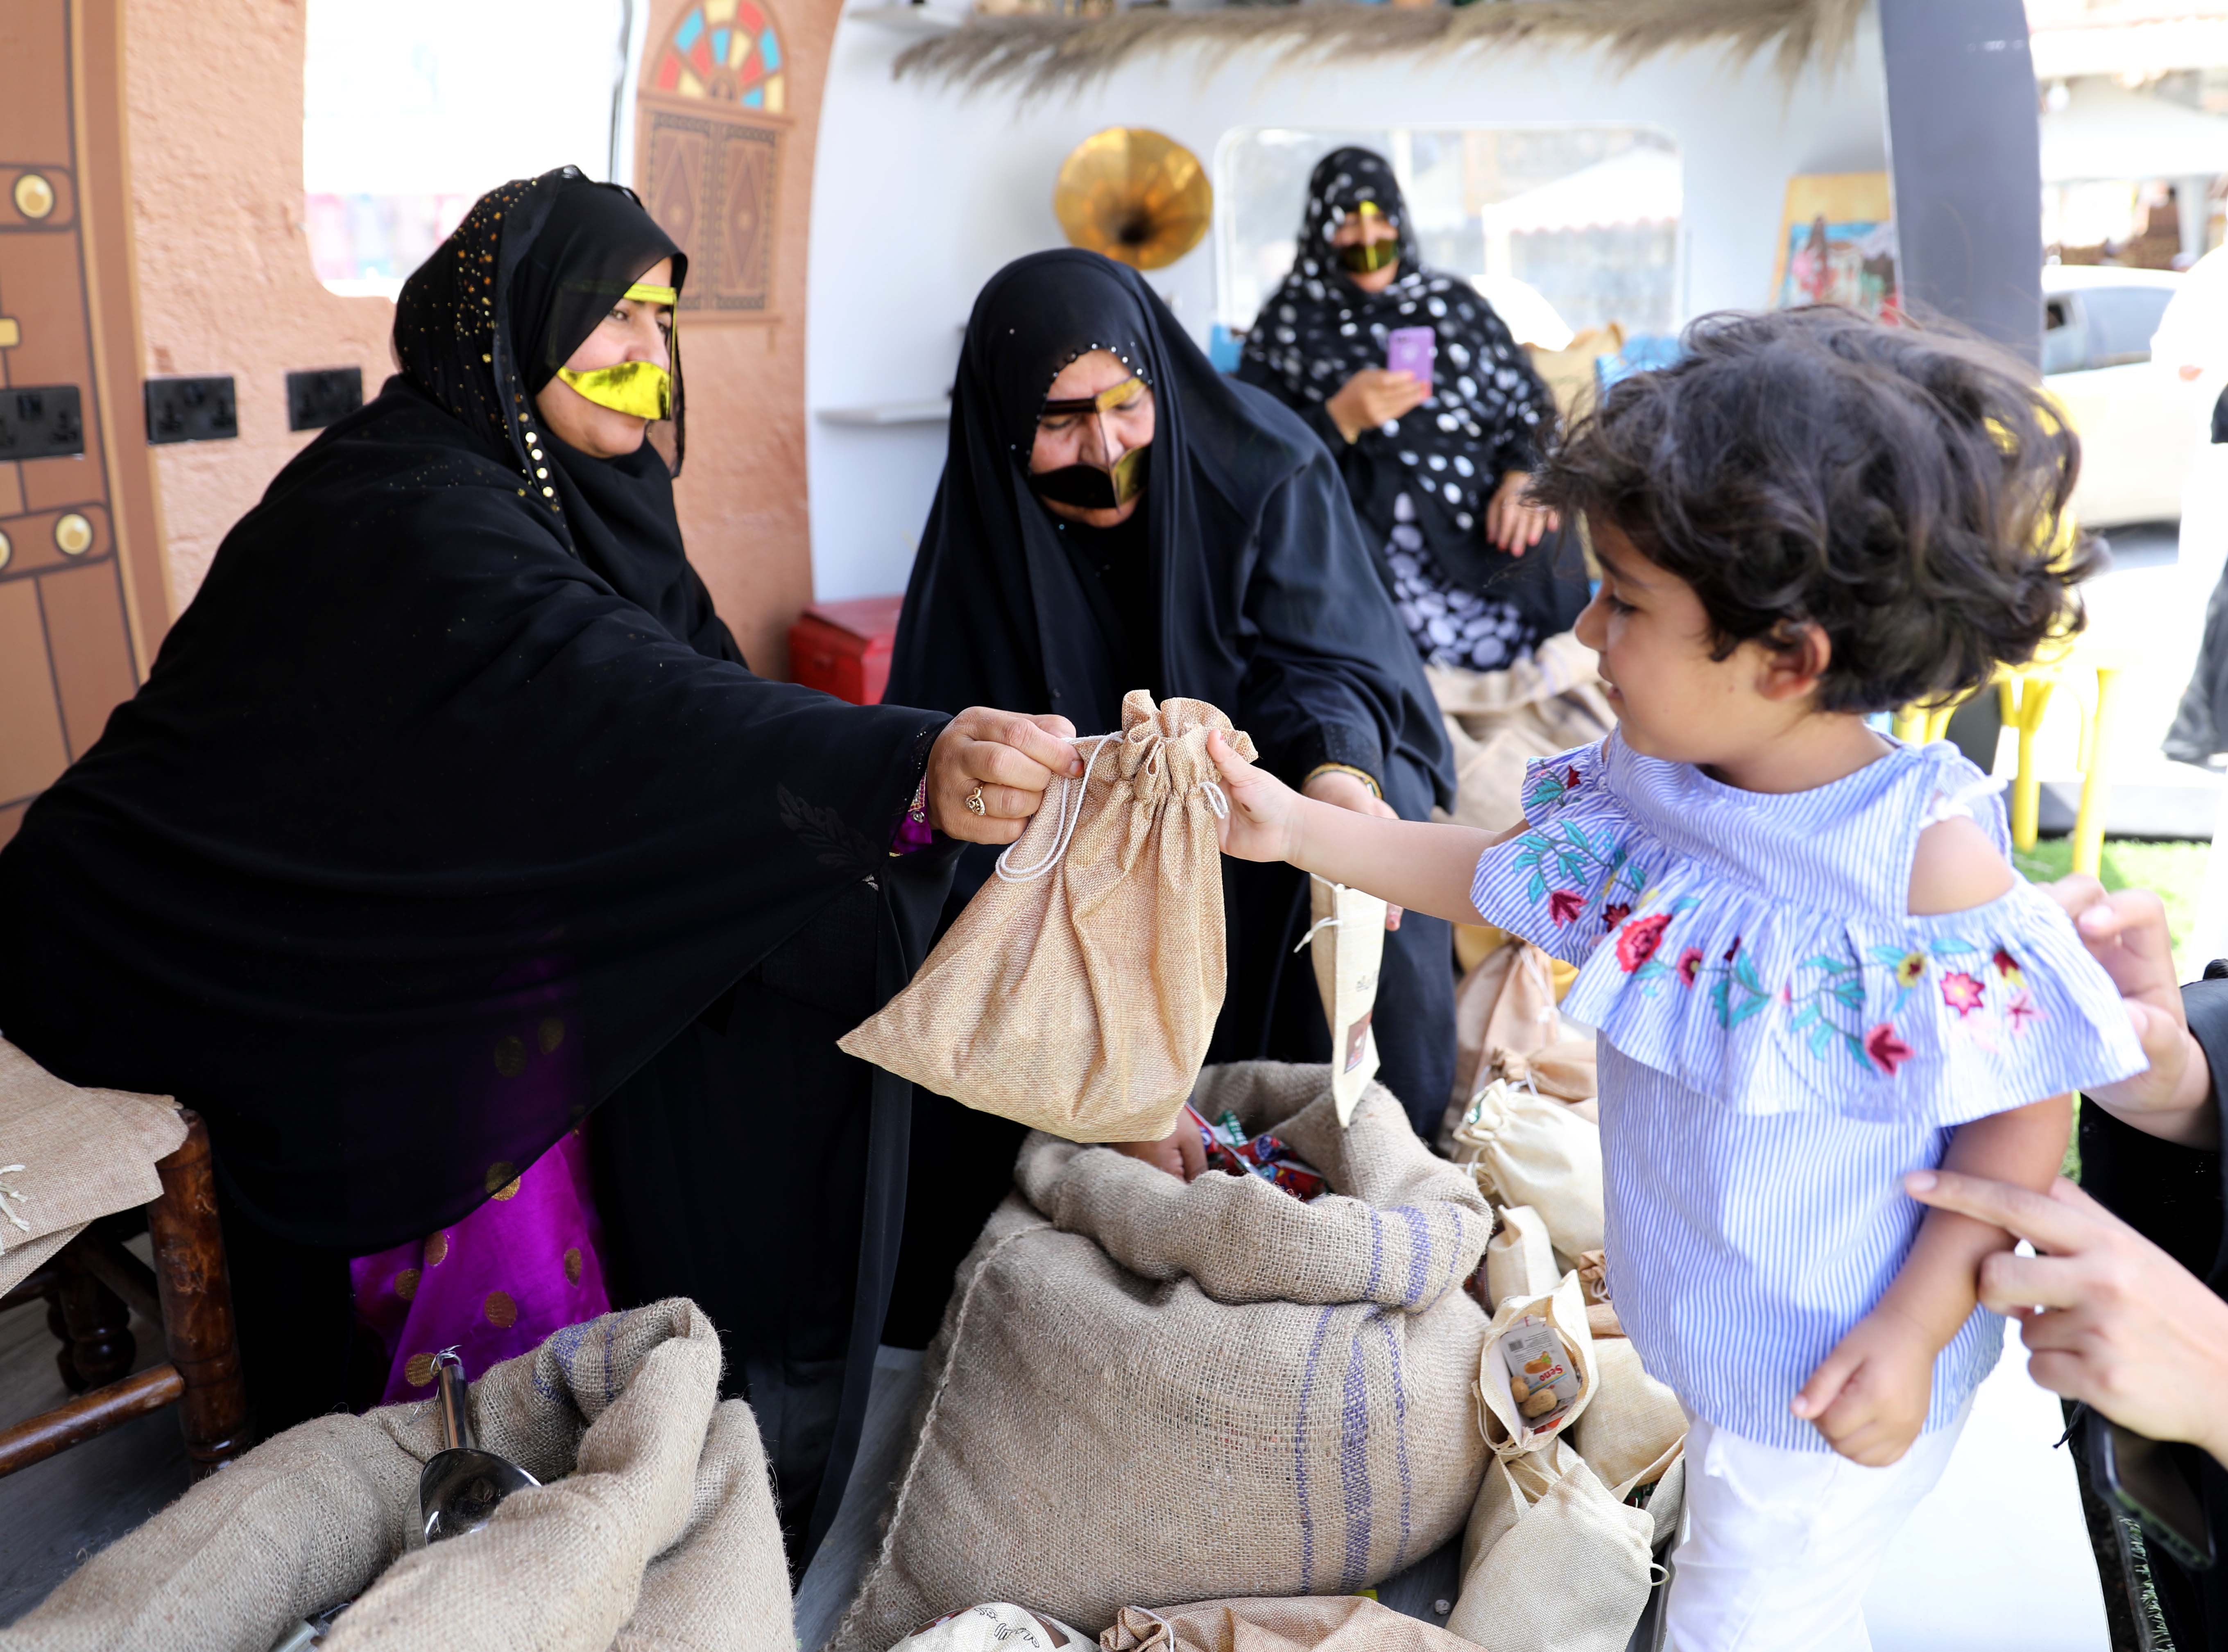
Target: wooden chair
[89, 1288]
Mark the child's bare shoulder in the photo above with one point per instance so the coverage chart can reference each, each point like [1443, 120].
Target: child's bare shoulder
[1955, 868]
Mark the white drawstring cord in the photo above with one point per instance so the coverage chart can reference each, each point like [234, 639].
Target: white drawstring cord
[1217, 800]
[1075, 786]
[1307, 939]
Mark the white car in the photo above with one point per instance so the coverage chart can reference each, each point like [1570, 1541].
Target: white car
[2141, 417]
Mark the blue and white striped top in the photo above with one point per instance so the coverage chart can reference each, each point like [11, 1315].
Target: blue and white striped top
[1780, 1041]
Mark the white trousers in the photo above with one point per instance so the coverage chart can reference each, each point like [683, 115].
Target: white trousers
[1779, 1547]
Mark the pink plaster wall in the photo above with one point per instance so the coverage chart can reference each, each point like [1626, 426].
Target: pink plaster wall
[742, 493]
[215, 92]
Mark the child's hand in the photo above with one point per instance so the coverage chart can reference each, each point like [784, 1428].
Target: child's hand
[1264, 823]
[1869, 1396]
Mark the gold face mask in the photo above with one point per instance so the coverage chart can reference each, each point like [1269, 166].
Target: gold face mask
[1363, 256]
[638, 389]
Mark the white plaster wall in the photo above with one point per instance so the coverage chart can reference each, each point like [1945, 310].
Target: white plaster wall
[921, 195]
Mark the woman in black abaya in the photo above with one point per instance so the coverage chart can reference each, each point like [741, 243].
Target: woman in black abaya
[1438, 470]
[451, 811]
[1115, 514]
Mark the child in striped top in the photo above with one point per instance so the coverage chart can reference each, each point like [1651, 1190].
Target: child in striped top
[1811, 966]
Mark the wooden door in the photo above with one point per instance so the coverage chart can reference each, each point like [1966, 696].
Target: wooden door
[82, 597]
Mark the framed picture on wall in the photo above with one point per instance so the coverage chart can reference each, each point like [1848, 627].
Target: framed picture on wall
[1837, 244]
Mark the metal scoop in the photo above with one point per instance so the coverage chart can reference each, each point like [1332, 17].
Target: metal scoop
[460, 1485]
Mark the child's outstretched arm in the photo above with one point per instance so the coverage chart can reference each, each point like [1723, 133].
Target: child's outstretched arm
[1869, 1397]
[1418, 864]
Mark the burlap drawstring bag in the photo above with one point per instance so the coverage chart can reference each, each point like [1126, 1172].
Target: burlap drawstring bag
[654, 1528]
[1593, 1276]
[1147, 1391]
[1634, 1425]
[1078, 990]
[1322, 1623]
[1507, 1430]
[1552, 1558]
[1526, 1148]
[1507, 1027]
[1520, 1260]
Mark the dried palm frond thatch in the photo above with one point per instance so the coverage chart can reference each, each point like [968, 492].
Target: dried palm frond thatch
[1047, 53]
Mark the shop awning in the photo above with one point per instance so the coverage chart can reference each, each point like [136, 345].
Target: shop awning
[2107, 131]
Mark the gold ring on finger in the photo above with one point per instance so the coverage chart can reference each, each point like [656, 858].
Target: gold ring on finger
[974, 804]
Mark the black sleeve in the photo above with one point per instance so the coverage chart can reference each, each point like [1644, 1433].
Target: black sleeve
[1329, 680]
[1254, 371]
[2172, 1195]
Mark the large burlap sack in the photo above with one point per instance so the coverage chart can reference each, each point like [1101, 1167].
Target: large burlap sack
[655, 1526]
[69, 1156]
[1527, 1149]
[1147, 1393]
[1551, 1559]
[1078, 990]
[1497, 721]
[1325, 1624]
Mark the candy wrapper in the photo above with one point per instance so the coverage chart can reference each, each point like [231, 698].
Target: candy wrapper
[1230, 1150]
[1542, 1378]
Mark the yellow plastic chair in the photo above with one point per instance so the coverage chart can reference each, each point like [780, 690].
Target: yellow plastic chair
[2024, 694]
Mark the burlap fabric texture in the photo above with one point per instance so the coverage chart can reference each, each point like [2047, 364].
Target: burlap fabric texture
[1498, 721]
[1078, 990]
[655, 1526]
[1147, 1393]
[1331, 1624]
[1507, 1027]
[1528, 1148]
[84, 1154]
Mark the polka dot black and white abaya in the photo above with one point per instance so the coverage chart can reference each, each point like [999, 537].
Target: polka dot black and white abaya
[1419, 483]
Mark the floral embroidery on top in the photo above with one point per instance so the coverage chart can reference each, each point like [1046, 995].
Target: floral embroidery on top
[1577, 862]
[1826, 998]
[1549, 789]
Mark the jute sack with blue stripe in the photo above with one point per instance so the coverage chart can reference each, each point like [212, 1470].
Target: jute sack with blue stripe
[1147, 1393]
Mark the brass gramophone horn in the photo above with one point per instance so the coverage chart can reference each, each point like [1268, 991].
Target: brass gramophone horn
[1134, 194]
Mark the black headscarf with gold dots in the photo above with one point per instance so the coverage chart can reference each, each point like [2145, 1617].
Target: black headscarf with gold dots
[486, 322]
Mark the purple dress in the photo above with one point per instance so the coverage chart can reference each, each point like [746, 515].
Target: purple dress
[522, 1266]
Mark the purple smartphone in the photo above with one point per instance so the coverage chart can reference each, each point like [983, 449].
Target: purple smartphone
[1412, 349]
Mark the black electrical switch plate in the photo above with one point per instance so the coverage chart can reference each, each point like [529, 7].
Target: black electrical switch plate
[40, 422]
[323, 396]
[191, 410]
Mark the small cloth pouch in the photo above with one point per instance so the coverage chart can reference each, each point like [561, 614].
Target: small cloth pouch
[1527, 1149]
[1078, 990]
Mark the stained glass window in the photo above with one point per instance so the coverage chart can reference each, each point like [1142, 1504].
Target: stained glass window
[726, 50]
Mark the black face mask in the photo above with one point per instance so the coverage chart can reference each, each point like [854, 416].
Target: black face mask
[1090, 488]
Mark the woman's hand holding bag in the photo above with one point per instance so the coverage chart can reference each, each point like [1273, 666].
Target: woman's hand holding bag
[1000, 761]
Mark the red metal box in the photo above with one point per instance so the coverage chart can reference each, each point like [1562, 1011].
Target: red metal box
[844, 648]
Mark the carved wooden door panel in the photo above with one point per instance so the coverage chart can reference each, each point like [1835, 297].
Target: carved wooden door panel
[76, 491]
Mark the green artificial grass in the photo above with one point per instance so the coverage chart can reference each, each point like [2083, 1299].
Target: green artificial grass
[2173, 871]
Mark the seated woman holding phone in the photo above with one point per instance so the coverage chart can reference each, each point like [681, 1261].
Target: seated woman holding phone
[1432, 412]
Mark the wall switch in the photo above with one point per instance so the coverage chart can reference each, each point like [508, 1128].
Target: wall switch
[323, 396]
[40, 422]
[191, 410]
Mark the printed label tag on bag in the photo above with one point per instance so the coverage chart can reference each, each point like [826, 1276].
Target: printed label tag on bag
[1347, 944]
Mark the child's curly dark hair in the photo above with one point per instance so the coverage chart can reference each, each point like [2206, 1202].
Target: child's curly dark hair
[1903, 489]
